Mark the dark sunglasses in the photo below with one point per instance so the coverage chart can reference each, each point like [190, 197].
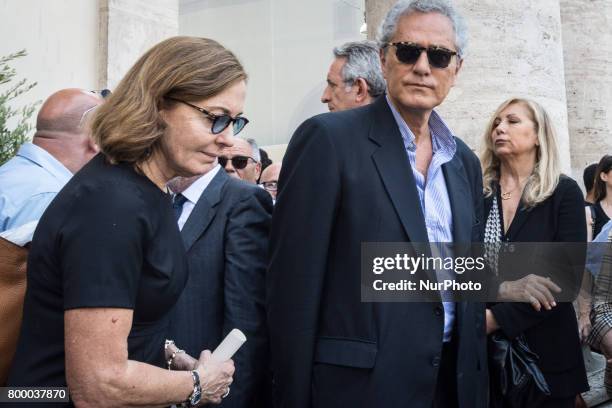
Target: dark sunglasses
[409, 53]
[238, 162]
[219, 122]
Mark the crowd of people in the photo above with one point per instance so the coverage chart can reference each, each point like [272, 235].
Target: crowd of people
[153, 230]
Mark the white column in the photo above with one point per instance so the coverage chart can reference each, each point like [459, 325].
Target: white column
[128, 28]
[587, 50]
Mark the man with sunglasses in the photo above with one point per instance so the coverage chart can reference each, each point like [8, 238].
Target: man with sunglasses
[242, 160]
[391, 171]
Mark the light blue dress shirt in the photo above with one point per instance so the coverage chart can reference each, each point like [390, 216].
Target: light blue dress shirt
[433, 194]
[28, 183]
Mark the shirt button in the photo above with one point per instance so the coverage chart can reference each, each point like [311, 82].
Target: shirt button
[435, 361]
[438, 310]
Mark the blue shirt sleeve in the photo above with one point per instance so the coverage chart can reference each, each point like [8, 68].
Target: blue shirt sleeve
[30, 210]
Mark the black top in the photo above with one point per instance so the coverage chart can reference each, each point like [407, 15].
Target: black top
[552, 334]
[109, 239]
[601, 218]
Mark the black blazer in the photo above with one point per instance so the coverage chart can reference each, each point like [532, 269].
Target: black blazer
[346, 179]
[553, 335]
[226, 238]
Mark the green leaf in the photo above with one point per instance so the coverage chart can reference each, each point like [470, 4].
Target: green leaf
[12, 138]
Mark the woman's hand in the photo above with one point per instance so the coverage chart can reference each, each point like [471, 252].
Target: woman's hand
[184, 362]
[584, 326]
[181, 361]
[533, 289]
[215, 377]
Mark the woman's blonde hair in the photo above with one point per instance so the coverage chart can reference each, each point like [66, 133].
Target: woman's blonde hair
[545, 176]
[128, 126]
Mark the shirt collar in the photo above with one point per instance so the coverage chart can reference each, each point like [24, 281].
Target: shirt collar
[194, 191]
[44, 159]
[442, 137]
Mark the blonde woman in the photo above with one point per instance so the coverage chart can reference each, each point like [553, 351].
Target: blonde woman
[528, 200]
[107, 262]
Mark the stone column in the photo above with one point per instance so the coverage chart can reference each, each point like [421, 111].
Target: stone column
[514, 49]
[128, 28]
[587, 50]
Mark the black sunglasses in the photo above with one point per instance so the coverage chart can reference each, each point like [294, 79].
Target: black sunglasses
[238, 162]
[409, 53]
[219, 122]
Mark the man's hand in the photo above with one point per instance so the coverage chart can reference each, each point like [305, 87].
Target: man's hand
[491, 322]
[532, 289]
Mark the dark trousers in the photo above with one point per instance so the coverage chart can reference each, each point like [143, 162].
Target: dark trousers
[446, 386]
[558, 403]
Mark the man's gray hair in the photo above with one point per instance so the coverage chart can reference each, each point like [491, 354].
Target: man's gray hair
[256, 154]
[362, 61]
[388, 27]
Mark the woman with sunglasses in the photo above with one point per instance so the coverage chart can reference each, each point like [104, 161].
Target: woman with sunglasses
[107, 261]
[527, 199]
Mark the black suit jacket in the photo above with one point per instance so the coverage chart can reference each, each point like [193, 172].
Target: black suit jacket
[346, 179]
[553, 334]
[226, 238]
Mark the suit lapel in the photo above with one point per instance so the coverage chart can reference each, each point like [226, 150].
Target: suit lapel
[461, 207]
[460, 200]
[204, 210]
[393, 166]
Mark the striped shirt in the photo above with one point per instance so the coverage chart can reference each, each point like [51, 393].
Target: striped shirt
[433, 194]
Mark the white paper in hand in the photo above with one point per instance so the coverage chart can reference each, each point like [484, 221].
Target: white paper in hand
[229, 346]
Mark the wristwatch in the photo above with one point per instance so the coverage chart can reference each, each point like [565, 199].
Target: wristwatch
[196, 395]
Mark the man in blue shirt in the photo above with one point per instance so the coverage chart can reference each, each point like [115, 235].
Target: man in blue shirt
[60, 147]
[390, 171]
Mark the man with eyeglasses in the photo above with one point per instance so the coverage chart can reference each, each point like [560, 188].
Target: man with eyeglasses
[242, 160]
[60, 147]
[391, 171]
[354, 78]
[269, 179]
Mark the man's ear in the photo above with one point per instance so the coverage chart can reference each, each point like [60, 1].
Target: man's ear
[459, 65]
[362, 90]
[457, 69]
[92, 146]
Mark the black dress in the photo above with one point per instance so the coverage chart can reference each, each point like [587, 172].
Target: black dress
[551, 334]
[601, 218]
[109, 239]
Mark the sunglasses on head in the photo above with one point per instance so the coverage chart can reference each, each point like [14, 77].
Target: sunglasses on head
[238, 162]
[219, 122]
[409, 53]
